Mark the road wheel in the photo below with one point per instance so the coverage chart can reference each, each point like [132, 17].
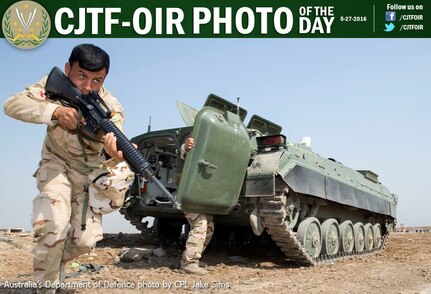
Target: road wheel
[330, 237]
[310, 236]
[359, 235]
[347, 240]
[369, 236]
[377, 235]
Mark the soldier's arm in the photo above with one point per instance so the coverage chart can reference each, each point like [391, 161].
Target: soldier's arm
[31, 105]
[186, 147]
[113, 186]
[110, 156]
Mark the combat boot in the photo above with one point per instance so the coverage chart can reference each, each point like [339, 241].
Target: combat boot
[192, 268]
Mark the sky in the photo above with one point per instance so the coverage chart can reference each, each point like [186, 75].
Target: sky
[364, 102]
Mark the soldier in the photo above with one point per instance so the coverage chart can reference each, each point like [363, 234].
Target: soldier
[75, 170]
[201, 231]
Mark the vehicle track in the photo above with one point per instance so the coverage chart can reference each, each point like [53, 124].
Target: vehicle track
[273, 214]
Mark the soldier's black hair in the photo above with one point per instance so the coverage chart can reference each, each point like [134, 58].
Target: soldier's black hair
[90, 57]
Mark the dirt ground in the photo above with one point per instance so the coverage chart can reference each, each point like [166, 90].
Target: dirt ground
[403, 267]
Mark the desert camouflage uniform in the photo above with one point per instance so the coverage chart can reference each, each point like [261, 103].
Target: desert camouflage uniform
[201, 231]
[63, 228]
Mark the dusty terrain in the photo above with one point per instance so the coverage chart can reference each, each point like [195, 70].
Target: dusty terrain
[403, 267]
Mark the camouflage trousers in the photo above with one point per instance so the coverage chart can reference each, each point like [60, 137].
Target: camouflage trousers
[58, 214]
[201, 232]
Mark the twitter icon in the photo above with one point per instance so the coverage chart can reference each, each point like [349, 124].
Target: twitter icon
[389, 27]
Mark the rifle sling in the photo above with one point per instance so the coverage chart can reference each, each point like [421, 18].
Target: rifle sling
[84, 211]
[81, 134]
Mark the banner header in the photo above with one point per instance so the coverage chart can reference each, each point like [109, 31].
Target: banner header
[222, 19]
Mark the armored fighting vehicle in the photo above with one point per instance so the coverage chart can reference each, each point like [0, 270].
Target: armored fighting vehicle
[253, 180]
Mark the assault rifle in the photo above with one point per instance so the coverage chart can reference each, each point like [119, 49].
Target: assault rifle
[97, 117]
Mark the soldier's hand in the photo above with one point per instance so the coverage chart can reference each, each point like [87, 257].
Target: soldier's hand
[66, 116]
[189, 143]
[110, 146]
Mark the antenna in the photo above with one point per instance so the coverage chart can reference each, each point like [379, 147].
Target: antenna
[237, 106]
[149, 125]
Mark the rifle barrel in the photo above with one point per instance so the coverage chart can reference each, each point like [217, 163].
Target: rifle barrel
[134, 157]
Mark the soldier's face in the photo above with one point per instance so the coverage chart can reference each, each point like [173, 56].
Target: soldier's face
[83, 79]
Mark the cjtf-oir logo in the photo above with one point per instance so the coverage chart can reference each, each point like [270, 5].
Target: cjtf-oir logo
[26, 24]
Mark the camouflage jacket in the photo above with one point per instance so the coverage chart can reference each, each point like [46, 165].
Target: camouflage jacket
[32, 106]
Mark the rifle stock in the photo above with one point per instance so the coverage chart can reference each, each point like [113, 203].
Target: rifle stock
[59, 86]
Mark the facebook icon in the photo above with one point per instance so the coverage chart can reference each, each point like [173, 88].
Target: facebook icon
[391, 16]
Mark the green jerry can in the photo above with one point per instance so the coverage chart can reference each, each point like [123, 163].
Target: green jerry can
[215, 168]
